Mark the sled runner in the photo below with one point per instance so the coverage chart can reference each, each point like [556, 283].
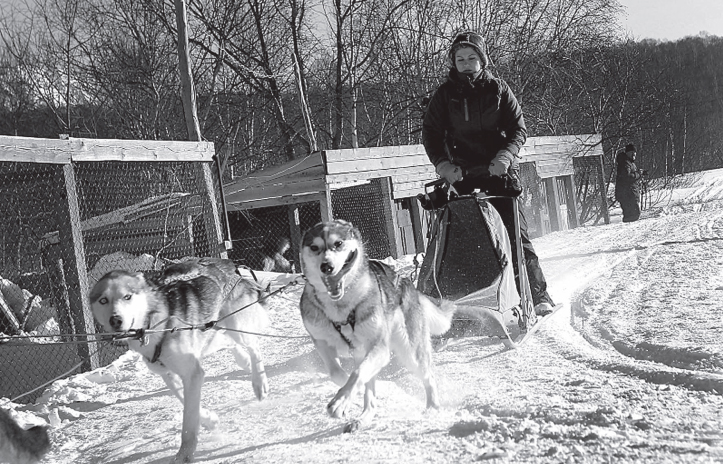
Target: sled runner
[468, 260]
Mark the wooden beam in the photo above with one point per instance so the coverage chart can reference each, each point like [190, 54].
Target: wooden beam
[275, 201]
[277, 189]
[295, 234]
[390, 218]
[366, 165]
[72, 251]
[553, 203]
[574, 214]
[55, 151]
[211, 215]
[603, 191]
[418, 224]
[372, 153]
[325, 207]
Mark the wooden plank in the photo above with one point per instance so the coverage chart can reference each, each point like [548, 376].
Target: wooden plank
[352, 154]
[377, 164]
[275, 201]
[211, 215]
[601, 188]
[569, 182]
[137, 211]
[397, 175]
[325, 207]
[140, 150]
[295, 234]
[57, 151]
[34, 150]
[418, 225]
[553, 203]
[390, 218]
[76, 273]
[309, 167]
[311, 186]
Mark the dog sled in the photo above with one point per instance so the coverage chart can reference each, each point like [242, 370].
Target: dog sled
[468, 260]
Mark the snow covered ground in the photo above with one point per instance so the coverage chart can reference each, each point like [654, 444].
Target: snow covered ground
[630, 371]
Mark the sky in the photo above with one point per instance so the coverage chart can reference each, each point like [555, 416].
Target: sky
[672, 19]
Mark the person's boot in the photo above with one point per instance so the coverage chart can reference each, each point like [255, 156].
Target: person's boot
[544, 308]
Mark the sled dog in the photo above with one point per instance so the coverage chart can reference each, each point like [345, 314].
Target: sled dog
[354, 306]
[20, 446]
[193, 292]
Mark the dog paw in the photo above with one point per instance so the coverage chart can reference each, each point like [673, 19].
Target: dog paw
[352, 426]
[209, 419]
[338, 406]
[261, 387]
[182, 457]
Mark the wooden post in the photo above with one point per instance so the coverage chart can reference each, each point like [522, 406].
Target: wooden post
[294, 234]
[327, 212]
[419, 226]
[573, 215]
[390, 217]
[211, 215]
[211, 218]
[553, 202]
[72, 250]
[603, 192]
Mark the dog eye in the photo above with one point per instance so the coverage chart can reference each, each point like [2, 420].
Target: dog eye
[127, 296]
[338, 244]
[103, 300]
[314, 248]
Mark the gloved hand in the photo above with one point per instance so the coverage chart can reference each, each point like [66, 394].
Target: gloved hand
[499, 164]
[450, 172]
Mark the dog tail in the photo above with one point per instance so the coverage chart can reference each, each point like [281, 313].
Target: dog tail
[439, 316]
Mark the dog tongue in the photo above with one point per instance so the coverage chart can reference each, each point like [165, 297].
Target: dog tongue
[334, 286]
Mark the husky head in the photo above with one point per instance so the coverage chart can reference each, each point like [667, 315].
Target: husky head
[119, 301]
[329, 251]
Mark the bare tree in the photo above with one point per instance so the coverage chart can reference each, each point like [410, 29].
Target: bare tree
[45, 40]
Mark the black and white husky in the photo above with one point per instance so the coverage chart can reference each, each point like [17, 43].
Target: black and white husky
[353, 306]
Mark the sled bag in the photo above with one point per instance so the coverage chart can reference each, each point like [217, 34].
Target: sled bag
[468, 259]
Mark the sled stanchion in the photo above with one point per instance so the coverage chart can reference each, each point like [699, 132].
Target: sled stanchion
[526, 306]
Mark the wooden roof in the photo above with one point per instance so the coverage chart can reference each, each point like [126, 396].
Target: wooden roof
[308, 179]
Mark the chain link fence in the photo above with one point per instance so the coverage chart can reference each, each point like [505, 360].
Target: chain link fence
[67, 224]
[257, 235]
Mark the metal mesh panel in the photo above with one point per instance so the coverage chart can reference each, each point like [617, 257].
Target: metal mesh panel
[363, 206]
[64, 226]
[256, 233]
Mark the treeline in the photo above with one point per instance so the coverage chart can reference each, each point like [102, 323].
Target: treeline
[277, 79]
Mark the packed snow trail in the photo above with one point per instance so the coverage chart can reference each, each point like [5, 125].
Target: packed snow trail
[619, 377]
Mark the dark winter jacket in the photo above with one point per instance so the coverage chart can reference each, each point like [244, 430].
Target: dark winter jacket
[627, 182]
[469, 123]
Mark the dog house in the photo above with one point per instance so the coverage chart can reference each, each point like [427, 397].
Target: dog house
[72, 205]
[376, 188]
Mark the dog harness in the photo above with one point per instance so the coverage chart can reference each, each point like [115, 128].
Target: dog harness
[350, 321]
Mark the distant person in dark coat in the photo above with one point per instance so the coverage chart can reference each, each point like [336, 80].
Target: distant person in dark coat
[627, 184]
